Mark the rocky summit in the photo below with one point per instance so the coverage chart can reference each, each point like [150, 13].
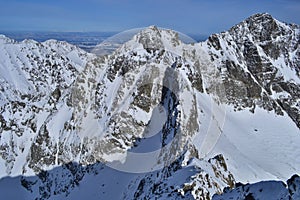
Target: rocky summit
[155, 119]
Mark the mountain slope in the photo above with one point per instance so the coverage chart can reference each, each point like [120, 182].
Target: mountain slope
[256, 80]
[34, 78]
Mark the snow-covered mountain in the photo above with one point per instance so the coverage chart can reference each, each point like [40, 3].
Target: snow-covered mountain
[34, 78]
[156, 119]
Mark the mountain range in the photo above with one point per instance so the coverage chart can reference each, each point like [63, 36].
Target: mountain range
[155, 119]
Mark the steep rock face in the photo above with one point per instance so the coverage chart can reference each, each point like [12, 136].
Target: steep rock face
[259, 62]
[293, 187]
[134, 85]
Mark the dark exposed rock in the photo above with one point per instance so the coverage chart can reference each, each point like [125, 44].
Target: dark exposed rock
[263, 190]
[257, 42]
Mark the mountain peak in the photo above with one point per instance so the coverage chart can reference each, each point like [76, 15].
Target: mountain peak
[150, 38]
[5, 39]
[261, 21]
[2, 36]
[260, 16]
[155, 38]
[152, 27]
[262, 26]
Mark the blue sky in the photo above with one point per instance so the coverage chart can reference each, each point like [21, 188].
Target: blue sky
[187, 16]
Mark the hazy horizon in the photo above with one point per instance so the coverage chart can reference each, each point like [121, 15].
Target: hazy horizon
[189, 17]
